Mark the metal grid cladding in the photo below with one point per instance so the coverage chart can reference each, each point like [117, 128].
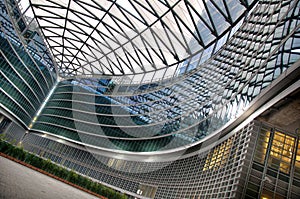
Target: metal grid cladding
[241, 166]
[131, 37]
[214, 173]
[170, 114]
[27, 72]
[96, 122]
[239, 64]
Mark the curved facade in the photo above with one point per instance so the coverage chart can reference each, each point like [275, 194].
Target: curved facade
[170, 114]
[27, 71]
[157, 99]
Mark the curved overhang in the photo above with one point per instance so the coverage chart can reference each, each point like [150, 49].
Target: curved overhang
[78, 53]
[284, 85]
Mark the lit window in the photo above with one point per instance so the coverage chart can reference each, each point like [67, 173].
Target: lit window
[281, 152]
[297, 162]
[262, 146]
[218, 157]
[110, 162]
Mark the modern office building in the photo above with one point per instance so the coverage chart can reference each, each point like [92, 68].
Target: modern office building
[158, 98]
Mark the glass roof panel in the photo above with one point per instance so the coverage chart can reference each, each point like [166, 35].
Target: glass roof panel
[133, 37]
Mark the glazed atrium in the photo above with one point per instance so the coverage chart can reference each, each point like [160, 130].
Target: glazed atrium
[157, 98]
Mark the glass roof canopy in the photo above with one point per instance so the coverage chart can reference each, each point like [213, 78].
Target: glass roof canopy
[157, 116]
[131, 37]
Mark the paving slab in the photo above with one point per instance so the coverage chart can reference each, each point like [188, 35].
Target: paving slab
[20, 182]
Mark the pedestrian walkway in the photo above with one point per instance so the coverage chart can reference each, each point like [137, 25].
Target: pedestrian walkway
[20, 182]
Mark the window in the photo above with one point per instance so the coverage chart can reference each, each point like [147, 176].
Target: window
[147, 190]
[297, 162]
[281, 152]
[262, 145]
[218, 156]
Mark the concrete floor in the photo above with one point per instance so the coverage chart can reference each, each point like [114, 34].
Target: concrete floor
[20, 182]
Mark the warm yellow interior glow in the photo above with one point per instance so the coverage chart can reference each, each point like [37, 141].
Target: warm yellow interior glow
[262, 145]
[218, 157]
[282, 150]
[297, 162]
